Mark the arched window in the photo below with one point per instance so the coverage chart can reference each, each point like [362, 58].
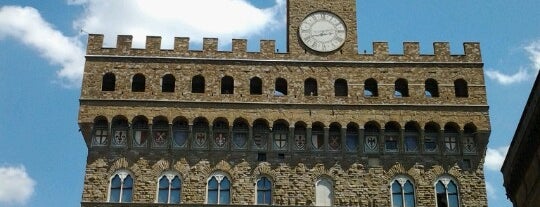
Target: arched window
[240, 134]
[461, 88]
[138, 83]
[469, 138]
[281, 135]
[219, 189]
[402, 192]
[180, 132]
[227, 85]
[101, 132]
[169, 188]
[431, 137]
[160, 132]
[255, 86]
[401, 88]
[281, 87]
[120, 129]
[447, 192]
[317, 136]
[310, 87]
[198, 84]
[221, 133]
[167, 83]
[140, 131]
[200, 131]
[264, 191]
[431, 88]
[412, 135]
[341, 88]
[109, 82]
[300, 136]
[260, 133]
[352, 137]
[334, 138]
[451, 133]
[121, 187]
[324, 192]
[371, 137]
[371, 88]
[391, 137]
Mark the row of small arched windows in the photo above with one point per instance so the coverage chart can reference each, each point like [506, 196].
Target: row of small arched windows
[260, 136]
[219, 188]
[341, 88]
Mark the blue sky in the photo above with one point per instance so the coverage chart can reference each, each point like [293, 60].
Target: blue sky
[42, 154]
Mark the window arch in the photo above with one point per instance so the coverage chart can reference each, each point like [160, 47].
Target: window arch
[260, 133]
[200, 130]
[431, 137]
[351, 140]
[371, 137]
[402, 192]
[334, 138]
[255, 86]
[121, 187]
[140, 131]
[461, 88]
[240, 133]
[101, 132]
[300, 139]
[227, 85]
[451, 133]
[469, 138]
[281, 87]
[109, 82]
[412, 135]
[218, 189]
[324, 192]
[281, 134]
[180, 132]
[317, 136]
[160, 132]
[310, 87]
[401, 88]
[447, 193]
[341, 88]
[371, 88]
[431, 88]
[167, 83]
[198, 84]
[391, 137]
[264, 191]
[138, 83]
[169, 188]
[120, 129]
[221, 133]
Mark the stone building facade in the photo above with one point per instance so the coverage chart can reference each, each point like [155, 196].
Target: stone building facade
[318, 125]
[521, 168]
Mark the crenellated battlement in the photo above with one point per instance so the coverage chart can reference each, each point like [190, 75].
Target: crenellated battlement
[411, 51]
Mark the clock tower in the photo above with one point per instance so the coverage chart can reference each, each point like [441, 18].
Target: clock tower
[321, 27]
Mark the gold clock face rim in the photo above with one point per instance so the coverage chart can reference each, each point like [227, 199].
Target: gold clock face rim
[329, 34]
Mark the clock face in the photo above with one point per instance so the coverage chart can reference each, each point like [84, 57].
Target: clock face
[323, 31]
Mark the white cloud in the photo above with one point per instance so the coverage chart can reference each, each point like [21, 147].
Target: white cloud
[26, 25]
[16, 186]
[504, 79]
[534, 53]
[224, 19]
[495, 158]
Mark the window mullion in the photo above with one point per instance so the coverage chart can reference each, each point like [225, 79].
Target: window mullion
[121, 190]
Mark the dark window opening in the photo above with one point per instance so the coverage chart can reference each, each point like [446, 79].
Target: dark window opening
[167, 83]
[370, 88]
[197, 84]
[261, 157]
[431, 88]
[255, 86]
[109, 82]
[310, 87]
[227, 85]
[341, 88]
[401, 88]
[281, 87]
[138, 84]
[460, 87]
